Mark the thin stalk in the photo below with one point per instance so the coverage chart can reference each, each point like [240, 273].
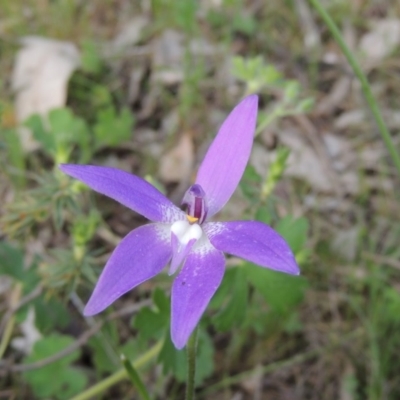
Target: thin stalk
[119, 375]
[191, 364]
[363, 80]
[135, 378]
[9, 324]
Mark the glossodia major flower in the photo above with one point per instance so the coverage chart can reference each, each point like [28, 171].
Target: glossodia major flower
[191, 244]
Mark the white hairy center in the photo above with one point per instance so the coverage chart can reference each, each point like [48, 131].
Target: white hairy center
[185, 231]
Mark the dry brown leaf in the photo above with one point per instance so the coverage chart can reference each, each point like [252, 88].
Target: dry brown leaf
[176, 165]
[41, 72]
[337, 95]
[168, 53]
[304, 163]
[382, 40]
[30, 334]
[129, 36]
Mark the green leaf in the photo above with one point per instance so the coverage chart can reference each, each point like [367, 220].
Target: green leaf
[305, 105]
[244, 23]
[174, 360]
[281, 291]
[263, 214]
[162, 302]
[205, 357]
[50, 314]
[250, 184]
[44, 137]
[112, 129]
[221, 297]
[11, 261]
[254, 71]
[276, 170]
[292, 90]
[294, 231]
[150, 322]
[67, 128]
[57, 380]
[132, 348]
[15, 155]
[100, 358]
[91, 61]
[101, 347]
[233, 314]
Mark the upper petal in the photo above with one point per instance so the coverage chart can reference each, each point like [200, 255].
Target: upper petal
[128, 189]
[142, 254]
[253, 241]
[192, 290]
[226, 159]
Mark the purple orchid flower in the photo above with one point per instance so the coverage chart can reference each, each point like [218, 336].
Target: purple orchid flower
[187, 239]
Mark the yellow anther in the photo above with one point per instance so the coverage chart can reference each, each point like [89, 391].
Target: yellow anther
[191, 219]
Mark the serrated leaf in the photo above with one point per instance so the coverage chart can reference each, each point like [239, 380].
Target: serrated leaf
[150, 322]
[281, 291]
[234, 312]
[112, 129]
[67, 128]
[174, 360]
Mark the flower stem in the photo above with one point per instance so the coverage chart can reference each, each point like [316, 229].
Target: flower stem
[135, 378]
[191, 365]
[363, 80]
[119, 375]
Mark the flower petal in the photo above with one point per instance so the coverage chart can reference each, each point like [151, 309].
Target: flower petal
[253, 241]
[192, 290]
[183, 237]
[128, 189]
[179, 253]
[226, 159]
[142, 254]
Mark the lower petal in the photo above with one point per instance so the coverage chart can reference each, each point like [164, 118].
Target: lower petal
[193, 289]
[253, 241]
[140, 255]
[179, 253]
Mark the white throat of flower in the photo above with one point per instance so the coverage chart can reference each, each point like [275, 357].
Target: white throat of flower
[184, 235]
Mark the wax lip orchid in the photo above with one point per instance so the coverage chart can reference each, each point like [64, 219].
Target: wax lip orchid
[186, 239]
